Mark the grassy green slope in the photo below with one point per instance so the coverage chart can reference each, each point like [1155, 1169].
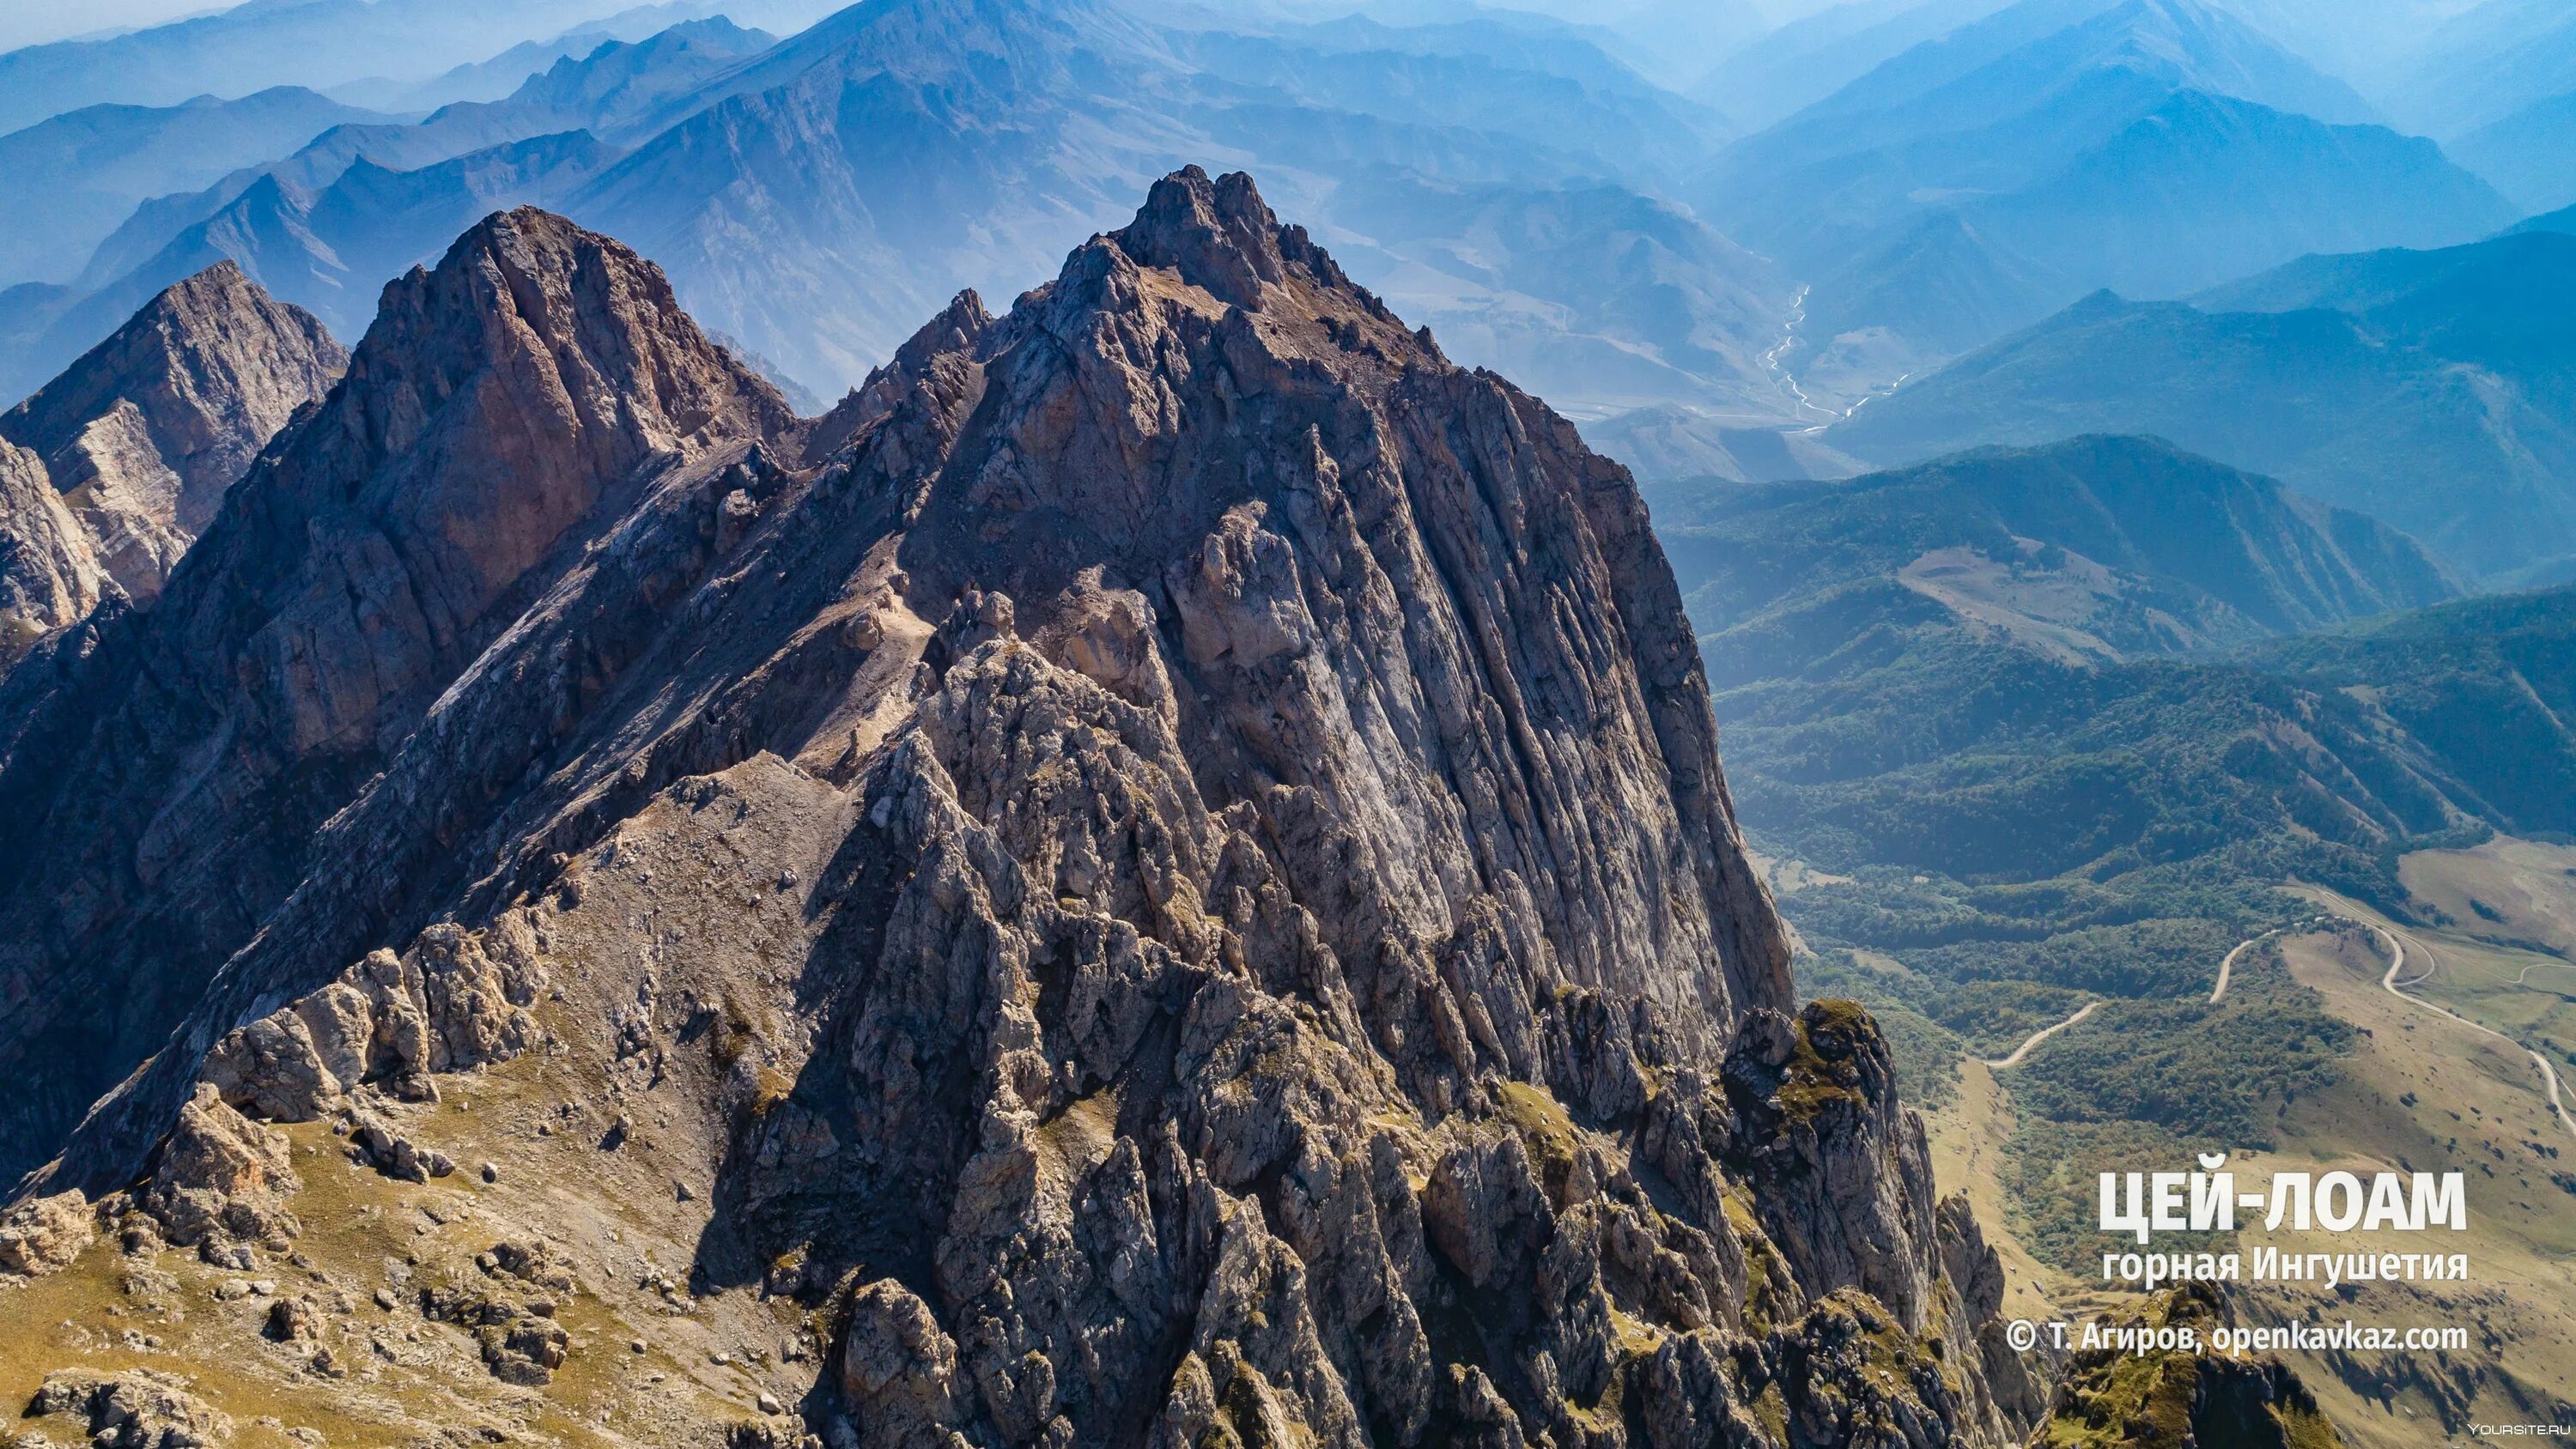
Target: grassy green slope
[2043, 730]
[2354, 378]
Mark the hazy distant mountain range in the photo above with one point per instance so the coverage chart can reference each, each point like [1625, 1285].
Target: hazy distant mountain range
[2434, 390]
[2011, 663]
[2530, 155]
[93, 166]
[1998, 104]
[2485, 62]
[1974, 183]
[1499, 184]
[2128, 544]
[383, 48]
[1849, 197]
[1806, 60]
[357, 204]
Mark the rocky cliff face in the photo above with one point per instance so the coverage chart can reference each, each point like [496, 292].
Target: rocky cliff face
[1161, 877]
[143, 435]
[49, 571]
[165, 772]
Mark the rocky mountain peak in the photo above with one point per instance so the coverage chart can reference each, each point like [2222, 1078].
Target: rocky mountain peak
[519, 390]
[1169, 415]
[1170, 882]
[957, 332]
[1218, 235]
[507, 406]
[144, 434]
[529, 313]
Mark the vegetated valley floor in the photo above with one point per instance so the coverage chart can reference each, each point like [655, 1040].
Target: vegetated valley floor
[2346, 1075]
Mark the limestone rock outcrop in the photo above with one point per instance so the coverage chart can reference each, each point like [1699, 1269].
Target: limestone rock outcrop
[1844, 1179]
[46, 1234]
[144, 434]
[165, 785]
[2018, 1379]
[899, 1369]
[446, 1005]
[1164, 877]
[50, 575]
[221, 1178]
[137, 1409]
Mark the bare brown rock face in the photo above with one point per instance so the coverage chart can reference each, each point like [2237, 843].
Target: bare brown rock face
[44, 1234]
[145, 433]
[134, 1410]
[49, 571]
[1163, 874]
[163, 782]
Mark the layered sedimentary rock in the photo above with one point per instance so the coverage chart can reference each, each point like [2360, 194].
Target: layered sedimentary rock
[1161, 877]
[144, 434]
[162, 782]
[49, 571]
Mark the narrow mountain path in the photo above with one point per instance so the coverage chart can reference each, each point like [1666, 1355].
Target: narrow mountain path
[2227, 968]
[2390, 984]
[2226, 973]
[2041, 1035]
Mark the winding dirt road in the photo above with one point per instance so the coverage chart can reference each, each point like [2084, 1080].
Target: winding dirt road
[2227, 968]
[2390, 984]
[2041, 1035]
[2523, 977]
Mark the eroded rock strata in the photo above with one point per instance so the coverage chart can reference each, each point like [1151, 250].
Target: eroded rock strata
[145, 433]
[1161, 877]
[50, 577]
[164, 774]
